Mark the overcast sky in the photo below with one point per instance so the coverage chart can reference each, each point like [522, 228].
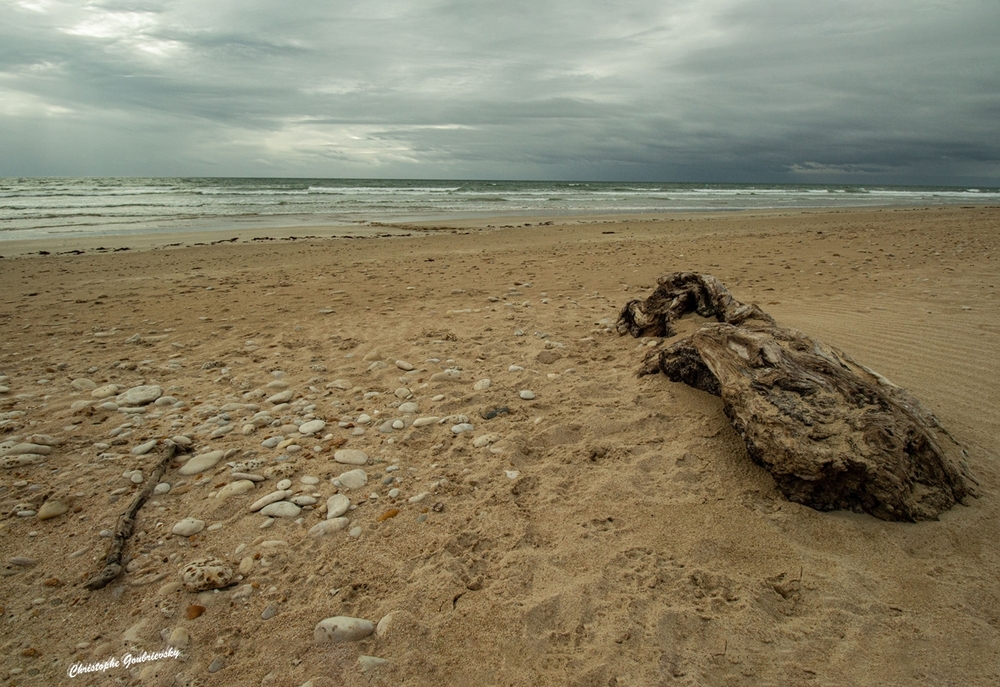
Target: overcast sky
[864, 91]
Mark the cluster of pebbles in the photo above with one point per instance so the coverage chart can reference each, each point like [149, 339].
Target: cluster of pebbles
[319, 456]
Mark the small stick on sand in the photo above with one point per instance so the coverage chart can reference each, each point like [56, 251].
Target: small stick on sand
[113, 562]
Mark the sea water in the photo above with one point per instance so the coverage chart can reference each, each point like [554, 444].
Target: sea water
[48, 207]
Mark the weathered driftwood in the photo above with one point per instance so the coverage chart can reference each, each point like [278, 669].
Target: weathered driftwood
[123, 530]
[833, 433]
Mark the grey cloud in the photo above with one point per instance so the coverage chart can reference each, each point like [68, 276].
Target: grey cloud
[737, 90]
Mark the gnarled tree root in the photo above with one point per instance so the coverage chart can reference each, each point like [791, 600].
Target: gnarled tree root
[833, 433]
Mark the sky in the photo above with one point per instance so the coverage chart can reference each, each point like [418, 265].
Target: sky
[839, 91]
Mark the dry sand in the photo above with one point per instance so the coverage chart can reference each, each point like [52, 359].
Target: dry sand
[613, 533]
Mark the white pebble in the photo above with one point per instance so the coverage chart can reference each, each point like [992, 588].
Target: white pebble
[143, 449]
[188, 527]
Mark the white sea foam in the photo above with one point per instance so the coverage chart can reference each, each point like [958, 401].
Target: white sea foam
[32, 207]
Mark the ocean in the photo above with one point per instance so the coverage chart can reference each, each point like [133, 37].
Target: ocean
[55, 207]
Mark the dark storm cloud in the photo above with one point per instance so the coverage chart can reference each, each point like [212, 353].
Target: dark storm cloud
[694, 90]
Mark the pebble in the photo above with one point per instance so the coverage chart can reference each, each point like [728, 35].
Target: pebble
[341, 384]
[21, 461]
[515, 368]
[272, 442]
[393, 493]
[179, 638]
[181, 440]
[52, 509]
[355, 532]
[424, 421]
[206, 573]
[485, 440]
[402, 393]
[403, 365]
[398, 424]
[281, 397]
[461, 428]
[336, 506]
[83, 384]
[283, 485]
[548, 357]
[236, 488]
[281, 509]
[188, 527]
[143, 449]
[161, 488]
[24, 448]
[351, 456]
[303, 500]
[329, 526]
[139, 396]
[23, 561]
[482, 385]
[353, 479]
[247, 475]
[342, 629]
[246, 565]
[267, 500]
[512, 474]
[269, 612]
[408, 408]
[312, 427]
[446, 376]
[369, 662]
[527, 395]
[419, 497]
[216, 665]
[279, 471]
[105, 391]
[309, 479]
[201, 463]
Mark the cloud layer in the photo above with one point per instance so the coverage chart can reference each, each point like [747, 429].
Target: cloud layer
[681, 90]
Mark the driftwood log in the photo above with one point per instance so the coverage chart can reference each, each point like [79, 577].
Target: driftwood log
[833, 433]
[123, 530]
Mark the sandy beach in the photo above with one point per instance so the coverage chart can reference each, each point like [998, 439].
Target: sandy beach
[603, 529]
